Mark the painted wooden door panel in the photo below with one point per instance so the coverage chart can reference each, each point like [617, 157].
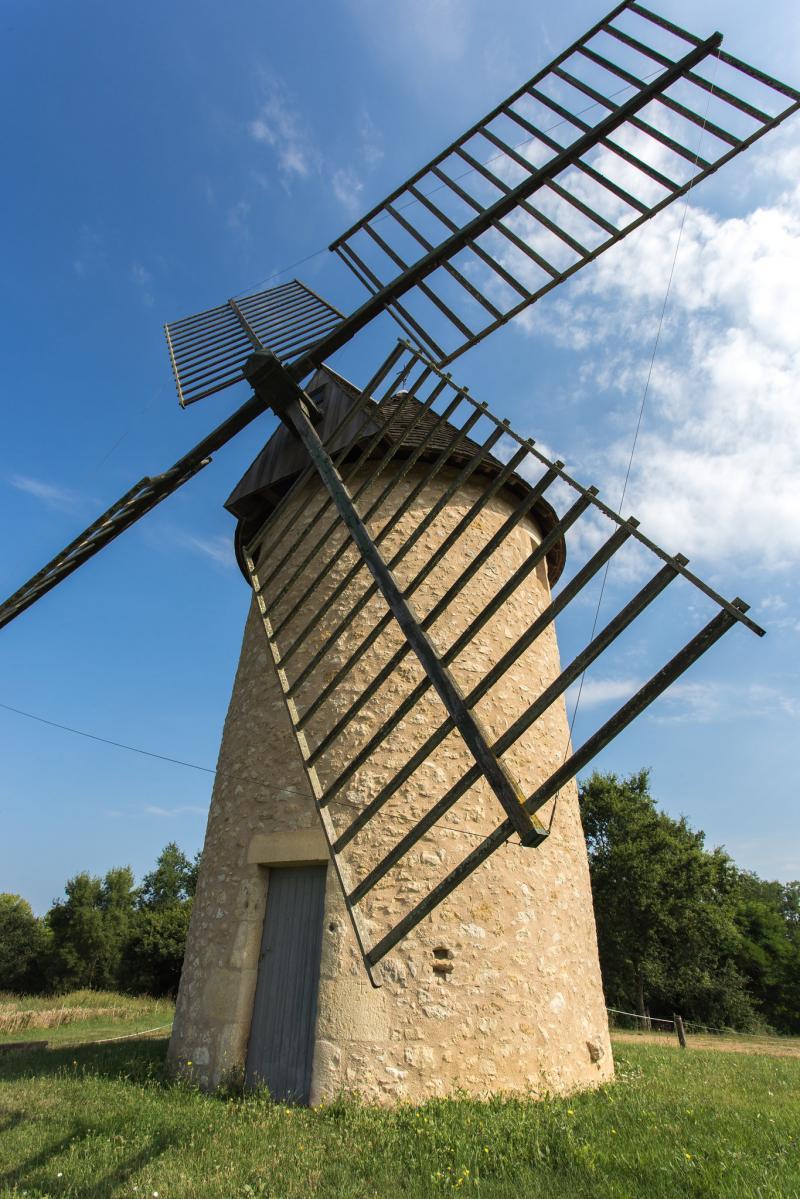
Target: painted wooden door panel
[280, 1052]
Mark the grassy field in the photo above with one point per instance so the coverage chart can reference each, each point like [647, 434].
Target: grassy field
[731, 1042]
[102, 1120]
[80, 1016]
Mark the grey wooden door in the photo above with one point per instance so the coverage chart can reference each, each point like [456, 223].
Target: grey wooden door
[281, 1045]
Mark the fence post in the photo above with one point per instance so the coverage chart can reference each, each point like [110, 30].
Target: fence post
[680, 1030]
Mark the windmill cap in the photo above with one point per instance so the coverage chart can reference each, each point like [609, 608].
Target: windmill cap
[282, 459]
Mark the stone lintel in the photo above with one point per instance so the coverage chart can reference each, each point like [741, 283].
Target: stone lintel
[299, 847]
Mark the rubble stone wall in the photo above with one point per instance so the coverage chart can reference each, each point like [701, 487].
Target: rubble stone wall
[499, 989]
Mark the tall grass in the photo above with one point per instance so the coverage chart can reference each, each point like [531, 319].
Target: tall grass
[74, 1000]
[21, 1014]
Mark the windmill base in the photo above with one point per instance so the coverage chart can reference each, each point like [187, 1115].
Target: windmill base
[499, 990]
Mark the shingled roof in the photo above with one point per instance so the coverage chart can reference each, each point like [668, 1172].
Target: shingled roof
[271, 474]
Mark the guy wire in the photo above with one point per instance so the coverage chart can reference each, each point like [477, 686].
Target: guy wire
[641, 408]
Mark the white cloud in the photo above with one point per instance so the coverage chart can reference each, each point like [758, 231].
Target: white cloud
[777, 616]
[717, 467]
[772, 603]
[238, 219]
[279, 125]
[707, 703]
[594, 692]
[49, 493]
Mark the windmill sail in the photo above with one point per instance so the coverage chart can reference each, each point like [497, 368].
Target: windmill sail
[129, 508]
[622, 123]
[328, 567]
[207, 350]
[625, 121]
[630, 117]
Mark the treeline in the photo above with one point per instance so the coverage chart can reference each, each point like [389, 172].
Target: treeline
[105, 933]
[681, 928]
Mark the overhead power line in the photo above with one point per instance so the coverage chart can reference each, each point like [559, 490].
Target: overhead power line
[134, 749]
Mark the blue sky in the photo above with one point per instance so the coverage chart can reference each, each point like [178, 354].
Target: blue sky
[161, 158]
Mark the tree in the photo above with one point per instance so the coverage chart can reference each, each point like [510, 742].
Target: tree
[23, 945]
[76, 925]
[769, 949]
[90, 929]
[154, 956]
[664, 906]
[172, 881]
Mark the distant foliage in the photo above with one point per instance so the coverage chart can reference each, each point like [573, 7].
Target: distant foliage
[159, 925]
[23, 944]
[104, 934]
[680, 927]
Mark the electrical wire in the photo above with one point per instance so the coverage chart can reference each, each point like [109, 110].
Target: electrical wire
[293, 266]
[645, 393]
[134, 749]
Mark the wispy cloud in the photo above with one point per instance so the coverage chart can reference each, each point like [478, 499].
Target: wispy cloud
[142, 279]
[707, 703]
[238, 219]
[279, 125]
[595, 692]
[182, 810]
[347, 189]
[48, 493]
[370, 139]
[688, 702]
[218, 548]
[90, 252]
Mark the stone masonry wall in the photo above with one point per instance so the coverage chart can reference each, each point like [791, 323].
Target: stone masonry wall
[499, 989]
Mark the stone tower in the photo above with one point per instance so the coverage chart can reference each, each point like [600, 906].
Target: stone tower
[499, 989]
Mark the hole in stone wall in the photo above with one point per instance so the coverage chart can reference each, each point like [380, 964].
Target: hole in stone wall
[443, 963]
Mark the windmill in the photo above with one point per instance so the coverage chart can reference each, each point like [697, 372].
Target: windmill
[399, 705]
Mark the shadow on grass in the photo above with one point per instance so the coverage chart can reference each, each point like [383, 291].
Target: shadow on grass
[133, 1061]
[37, 1170]
[9, 1120]
[139, 1061]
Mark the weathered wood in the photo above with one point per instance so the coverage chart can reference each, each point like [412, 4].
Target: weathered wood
[680, 1030]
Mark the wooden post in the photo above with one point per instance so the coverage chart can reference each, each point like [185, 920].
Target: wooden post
[680, 1030]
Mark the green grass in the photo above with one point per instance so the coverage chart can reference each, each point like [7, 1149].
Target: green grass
[103, 1121]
